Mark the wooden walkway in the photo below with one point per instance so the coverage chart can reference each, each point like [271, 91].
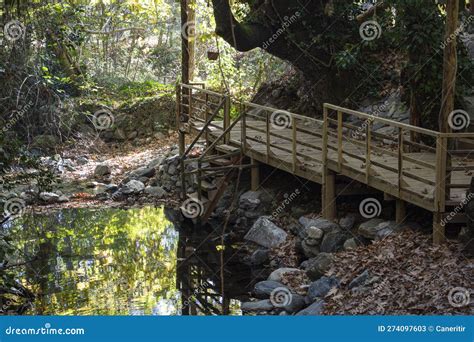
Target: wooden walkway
[413, 165]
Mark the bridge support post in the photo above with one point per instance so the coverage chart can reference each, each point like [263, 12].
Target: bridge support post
[400, 211]
[438, 229]
[329, 195]
[254, 175]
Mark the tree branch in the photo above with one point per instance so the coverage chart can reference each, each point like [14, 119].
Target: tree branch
[241, 36]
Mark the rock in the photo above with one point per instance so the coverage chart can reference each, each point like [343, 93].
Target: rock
[350, 244]
[102, 171]
[263, 289]
[133, 187]
[49, 197]
[119, 135]
[314, 233]
[159, 136]
[147, 172]
[347, 222]
[314, 309]
[261, 305]
[297, 302]
[63, 199]
[321, 287]
[111, 188]
[361, 279]
[316, 267]
[172, 169]
[278, 274]
[82, 160]
[132, 135]
[265, 233]
[324, 225]
[310, 251]
[156, 162]
[260, 257]
[333, 241]
[377, 229]
[250, 200]
[156, 191]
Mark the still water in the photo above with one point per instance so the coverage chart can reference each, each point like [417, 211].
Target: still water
[124, 262]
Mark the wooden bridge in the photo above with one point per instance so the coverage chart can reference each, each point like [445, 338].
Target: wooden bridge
[414, 165]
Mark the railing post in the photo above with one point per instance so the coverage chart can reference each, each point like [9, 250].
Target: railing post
[328, 177]
[199, 180]
[206, 106]
[339, 140]
[368, 150]
[267, 118]
[293, 141]
[227, 118]
[178, 106]
[440, 190]
[182, 148]
[400, 160]
[244, 131]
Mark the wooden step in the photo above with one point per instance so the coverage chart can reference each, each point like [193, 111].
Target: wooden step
[206, 186]
[227, 148]
[221, 162]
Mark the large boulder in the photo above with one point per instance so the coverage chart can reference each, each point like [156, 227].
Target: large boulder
[147, 172]
[278, 274]
[333, 241]
[321, 287]
[261, 305]
[315, 309]
[264, 289]
[295, 304]
[265, 233]
[156, 191]
[376, 229]
[101, 171]
[250, 200]
[316, 267]
[323, 224]
[133, 187]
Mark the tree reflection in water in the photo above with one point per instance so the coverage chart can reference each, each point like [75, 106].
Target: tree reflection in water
[122, 262]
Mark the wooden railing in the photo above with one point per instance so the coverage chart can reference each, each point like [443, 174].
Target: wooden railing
[410, 163]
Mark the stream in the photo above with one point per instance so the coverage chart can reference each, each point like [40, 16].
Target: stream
[125, 262]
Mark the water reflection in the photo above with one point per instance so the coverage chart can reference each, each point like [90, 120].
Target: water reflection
[124, 262]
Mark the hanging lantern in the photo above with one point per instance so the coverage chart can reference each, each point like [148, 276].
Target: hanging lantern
[212, 54]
